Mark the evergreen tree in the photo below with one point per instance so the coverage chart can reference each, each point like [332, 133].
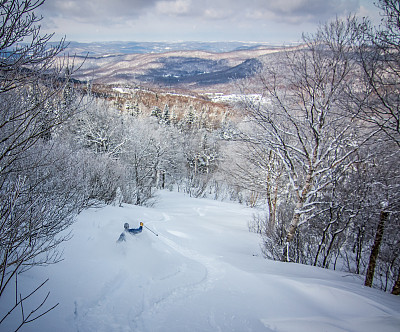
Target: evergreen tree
[166, 117]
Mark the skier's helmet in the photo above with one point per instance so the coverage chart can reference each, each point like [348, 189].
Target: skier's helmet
[141, 224]
[126, 225]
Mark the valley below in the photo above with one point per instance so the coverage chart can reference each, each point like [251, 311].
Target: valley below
[210, 68]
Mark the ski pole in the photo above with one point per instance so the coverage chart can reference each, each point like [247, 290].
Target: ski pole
[151, 230]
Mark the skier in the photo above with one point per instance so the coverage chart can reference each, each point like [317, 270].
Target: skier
[132, 231]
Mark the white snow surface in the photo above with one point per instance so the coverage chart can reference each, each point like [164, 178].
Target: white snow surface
[204, 272]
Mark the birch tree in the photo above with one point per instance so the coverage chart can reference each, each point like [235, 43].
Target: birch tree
[303, 119]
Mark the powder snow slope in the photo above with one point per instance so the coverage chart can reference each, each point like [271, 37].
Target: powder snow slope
[204, 272]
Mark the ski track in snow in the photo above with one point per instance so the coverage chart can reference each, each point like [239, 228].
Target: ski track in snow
[212, 272]
[151, 305]
[213, 269]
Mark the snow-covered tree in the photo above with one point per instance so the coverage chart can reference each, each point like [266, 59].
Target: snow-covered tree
[303, 119]
[157, 113]
[189, 119]
[202, 156]
[145, 156]
[379, 53]
[38, 196]
[166, 116]
[99, 128]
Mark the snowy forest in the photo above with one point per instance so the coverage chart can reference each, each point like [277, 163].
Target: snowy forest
[316, 154]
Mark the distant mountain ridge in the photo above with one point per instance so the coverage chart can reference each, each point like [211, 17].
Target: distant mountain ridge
[191, 66]
[106, 48]
[199, 71]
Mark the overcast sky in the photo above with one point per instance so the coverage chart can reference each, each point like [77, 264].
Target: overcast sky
[275, 21]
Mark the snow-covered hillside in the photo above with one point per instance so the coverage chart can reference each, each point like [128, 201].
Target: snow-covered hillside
[204, 272]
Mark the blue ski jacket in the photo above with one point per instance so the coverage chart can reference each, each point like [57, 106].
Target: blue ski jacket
[133, 230]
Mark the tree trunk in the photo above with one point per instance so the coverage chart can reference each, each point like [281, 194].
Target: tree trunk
[375, 248]
[292, 227]
[290, 234]
[396, 287]
[300, 203]
[271, 211]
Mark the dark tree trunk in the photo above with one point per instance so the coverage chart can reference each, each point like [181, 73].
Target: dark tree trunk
[375, 248]
[396, 287]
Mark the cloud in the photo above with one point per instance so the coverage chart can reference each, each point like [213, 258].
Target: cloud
[215, 19]
[282, 11]
[174, 8]
[96, 11]
[116, 10]
[297, 11]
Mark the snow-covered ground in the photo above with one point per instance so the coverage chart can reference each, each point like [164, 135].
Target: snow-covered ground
[236, 98]
[204, 272]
